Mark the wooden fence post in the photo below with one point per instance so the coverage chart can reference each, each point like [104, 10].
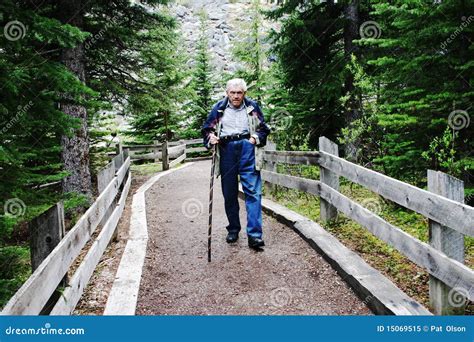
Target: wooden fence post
[328, 211]
[46, 231]
[269, 166]
[118, 148]
[156, 149]
[164, 155]
[444, 299]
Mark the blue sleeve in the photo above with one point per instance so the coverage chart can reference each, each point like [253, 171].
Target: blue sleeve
[209, 126]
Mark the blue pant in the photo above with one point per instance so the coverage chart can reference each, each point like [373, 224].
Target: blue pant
[238, 158]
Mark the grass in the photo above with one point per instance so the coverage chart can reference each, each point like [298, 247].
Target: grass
[409, 277]
[145, 169]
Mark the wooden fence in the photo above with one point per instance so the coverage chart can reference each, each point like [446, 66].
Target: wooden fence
[451, 282]
[165, 151]
[54, 253]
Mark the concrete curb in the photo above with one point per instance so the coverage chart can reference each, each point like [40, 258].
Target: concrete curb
[378, 292]
[124, 294]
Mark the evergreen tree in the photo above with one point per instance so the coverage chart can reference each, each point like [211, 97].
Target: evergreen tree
[248, 49]
[32, 124]
[201, 83]
[32, 84]
[154, 112]
[313, 47]
[75, 147]
[424, 76]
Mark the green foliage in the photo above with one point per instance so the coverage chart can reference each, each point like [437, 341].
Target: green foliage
[73, 200]
[201, 86]
[248, 49]
[421, 75]
[408, 80]
[131, 62]
[32, 83]
[442, 153]
[154, 110]
[15, 268]
[312, 71]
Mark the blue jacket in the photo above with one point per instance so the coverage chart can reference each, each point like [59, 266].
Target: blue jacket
[258, 128]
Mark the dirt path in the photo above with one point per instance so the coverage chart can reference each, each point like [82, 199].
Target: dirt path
[287, 278]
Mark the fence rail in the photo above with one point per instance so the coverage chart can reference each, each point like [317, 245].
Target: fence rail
[176, 150]
[36, 292]
[53, 259]
[450, 219]
[154, 152]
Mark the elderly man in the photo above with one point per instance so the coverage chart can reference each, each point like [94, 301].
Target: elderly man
[236, 124]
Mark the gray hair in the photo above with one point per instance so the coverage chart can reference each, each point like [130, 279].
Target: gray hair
[236, 82]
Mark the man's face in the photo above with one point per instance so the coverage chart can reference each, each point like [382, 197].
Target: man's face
[236, 96]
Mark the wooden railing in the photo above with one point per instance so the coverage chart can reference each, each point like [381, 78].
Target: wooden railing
[449, 218]
[164, 152]
[51, 266]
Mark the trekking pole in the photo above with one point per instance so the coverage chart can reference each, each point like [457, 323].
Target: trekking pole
[211, 192]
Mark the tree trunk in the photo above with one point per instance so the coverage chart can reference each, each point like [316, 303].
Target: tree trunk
[351, 15]
[75, 149]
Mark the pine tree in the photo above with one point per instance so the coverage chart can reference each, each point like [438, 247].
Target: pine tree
[249, 50]
[424, 72]
[310, 52]
[154, 112]
[202, 79]
[75, 147]
[32, 83]
[32, 124]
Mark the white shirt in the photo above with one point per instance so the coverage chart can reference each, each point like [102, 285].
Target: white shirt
[234, 120]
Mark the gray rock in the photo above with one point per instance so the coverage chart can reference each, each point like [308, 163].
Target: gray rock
[225, 41]
[181, 11]
[216, 15]
[219, 51]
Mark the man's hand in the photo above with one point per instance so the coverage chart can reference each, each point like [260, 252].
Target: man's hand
[252, 140]
[213, 139]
